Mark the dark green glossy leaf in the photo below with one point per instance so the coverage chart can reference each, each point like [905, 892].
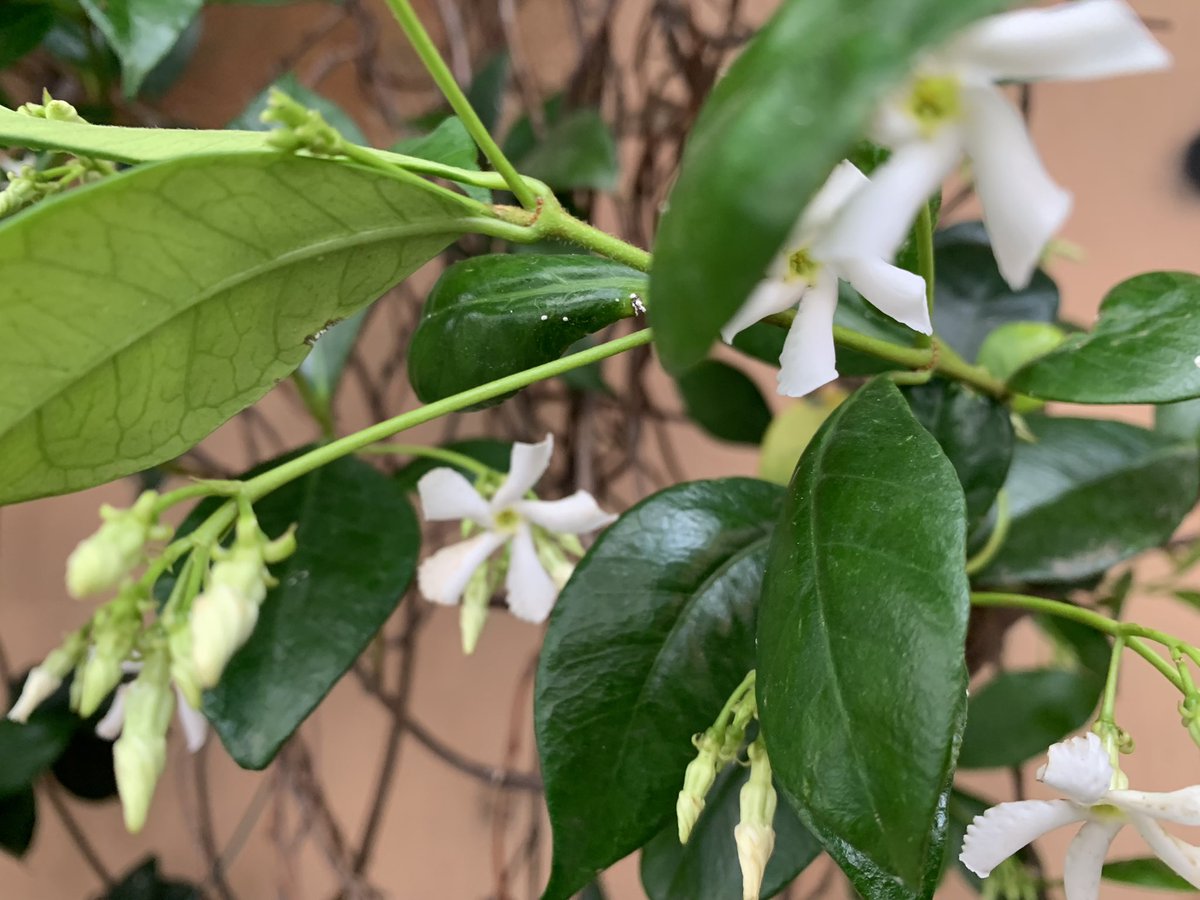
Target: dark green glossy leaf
[706, 867]
[25, 24]
[861, 676]
[724, 402]
[251, 117]
[448, 143]
[486, 90]
[489, 452]
[577, 151]
[788, 109]
[1088, 494]
[140, 32]
[1179, 420]
[589, 378]
[248, 257]
[1143, 349]
[1149, 872]
[1017, 715]
[146, 883]
[18, 820]
[85, 767]
[976, 434]
[1091, 648]
[650, 636]
[28, 750]
[971, 297]
[762, 341]
[492, 316]
[358, 541]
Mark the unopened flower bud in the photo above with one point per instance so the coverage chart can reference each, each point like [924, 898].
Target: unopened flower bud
[302, 128]
[697, 782]
[550, 554]
[100, 561]
[140, 754]
[114, 630]
[45, 679]
[183, 667]
[473, 613]
[221, 621]
[755, 834]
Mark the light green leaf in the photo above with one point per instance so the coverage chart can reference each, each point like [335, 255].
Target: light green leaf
[1179, 420]
[449, 143]
[145, 310]
[1143, 349]
[789, 108]
[140, 32]
[1147, 873]
[861, 676]
[577, 151]
[724, 402]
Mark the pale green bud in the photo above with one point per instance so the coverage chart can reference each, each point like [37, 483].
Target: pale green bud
[100, 561]
[473, 613]
[302, 128]
[45, 679]
[755, 834]
[114, 630]
[243, 573]
[222, 620]
[140, 754]
[697, 782]
[183, 668]
[1010, 881]
[550, 554]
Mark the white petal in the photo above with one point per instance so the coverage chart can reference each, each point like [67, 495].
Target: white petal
[808, 360]
[843, 183]
[1003, 830]
[877, 219]
[1022, 207]
[446, 494]
[109, 728]
[1182, 806]
[1078, 767]
[1182, 857]
[576, 514]
[893, 291]
[192, 721]
[531, 591]
[529, 463]
[770, 296]
[1077, 41]
[443, 577]
[1085, 858]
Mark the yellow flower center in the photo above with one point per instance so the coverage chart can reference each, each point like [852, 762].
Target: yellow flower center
[506, 520]
[802, 267]
[935, 100]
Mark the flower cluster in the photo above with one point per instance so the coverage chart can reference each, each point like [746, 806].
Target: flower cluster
[950, 109]
[536, 535]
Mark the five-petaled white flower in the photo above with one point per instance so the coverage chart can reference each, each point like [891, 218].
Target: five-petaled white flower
[191, 721]
[1080, 768]
[952, 106]
[805, 272]
[506, 518]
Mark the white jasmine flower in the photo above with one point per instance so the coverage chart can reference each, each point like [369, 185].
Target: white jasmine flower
[506, 519]
[807, 273]
[952, 106]
[191, 721]
[1080, 768]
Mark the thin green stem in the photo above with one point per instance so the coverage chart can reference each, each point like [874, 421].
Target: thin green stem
[736, 697]
[207, 488]
[557, 222]
[444, 78]
[925, 264]
[1109, 706]
[439, 453]
[996, 539]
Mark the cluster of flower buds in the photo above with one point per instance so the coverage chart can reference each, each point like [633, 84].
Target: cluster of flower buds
[101, 561]
[224, 614]
[49, 108]
[301, 128]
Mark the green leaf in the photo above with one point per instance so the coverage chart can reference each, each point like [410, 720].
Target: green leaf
[1143, 349]
[448, 143]
[18, 820]
[171, 67]
[1179, 420]
[1017, 715]
[1150, 872]
[140, 32]
[707, 865]
[577, 151]
[358, 541]
[725, 402]
[85, 767]
[251, 117]
[762, 341]
[1088, 494]
[791, 431]
[649, 637]
[789, 108]
[145, 883]
[28, 750]
[1016, 344]
[138, 340]
[322, 368]
[25, 24]
[486, 90]
[496, 315]
[976, 434]
[972, 299]
[861, 677]
[489, 452]
[1090, 648]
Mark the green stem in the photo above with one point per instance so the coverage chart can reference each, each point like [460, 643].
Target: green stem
[736, 697]
[206, 488]
[1109, 706]
[996, 539]
[557, 222]
[444, 78]
[461, 460]
[925, 264]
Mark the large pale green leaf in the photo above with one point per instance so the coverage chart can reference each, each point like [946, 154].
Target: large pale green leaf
[861, 676]
[724, 402]
[650, 636]
[706, 867]
[142, 312]
[140, 32]
[495, 315]
[1143, 349]
[789, 108]
[1086, 494]
[1017, 715]
[358, 541]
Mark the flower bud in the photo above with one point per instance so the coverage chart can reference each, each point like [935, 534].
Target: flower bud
[114, 630]
[550, 554]
[140, 754]
[100, 561]
[755, 834]
[473, 614]
[45, 679]
[697, 782]
[183, 668]
[221, 621]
